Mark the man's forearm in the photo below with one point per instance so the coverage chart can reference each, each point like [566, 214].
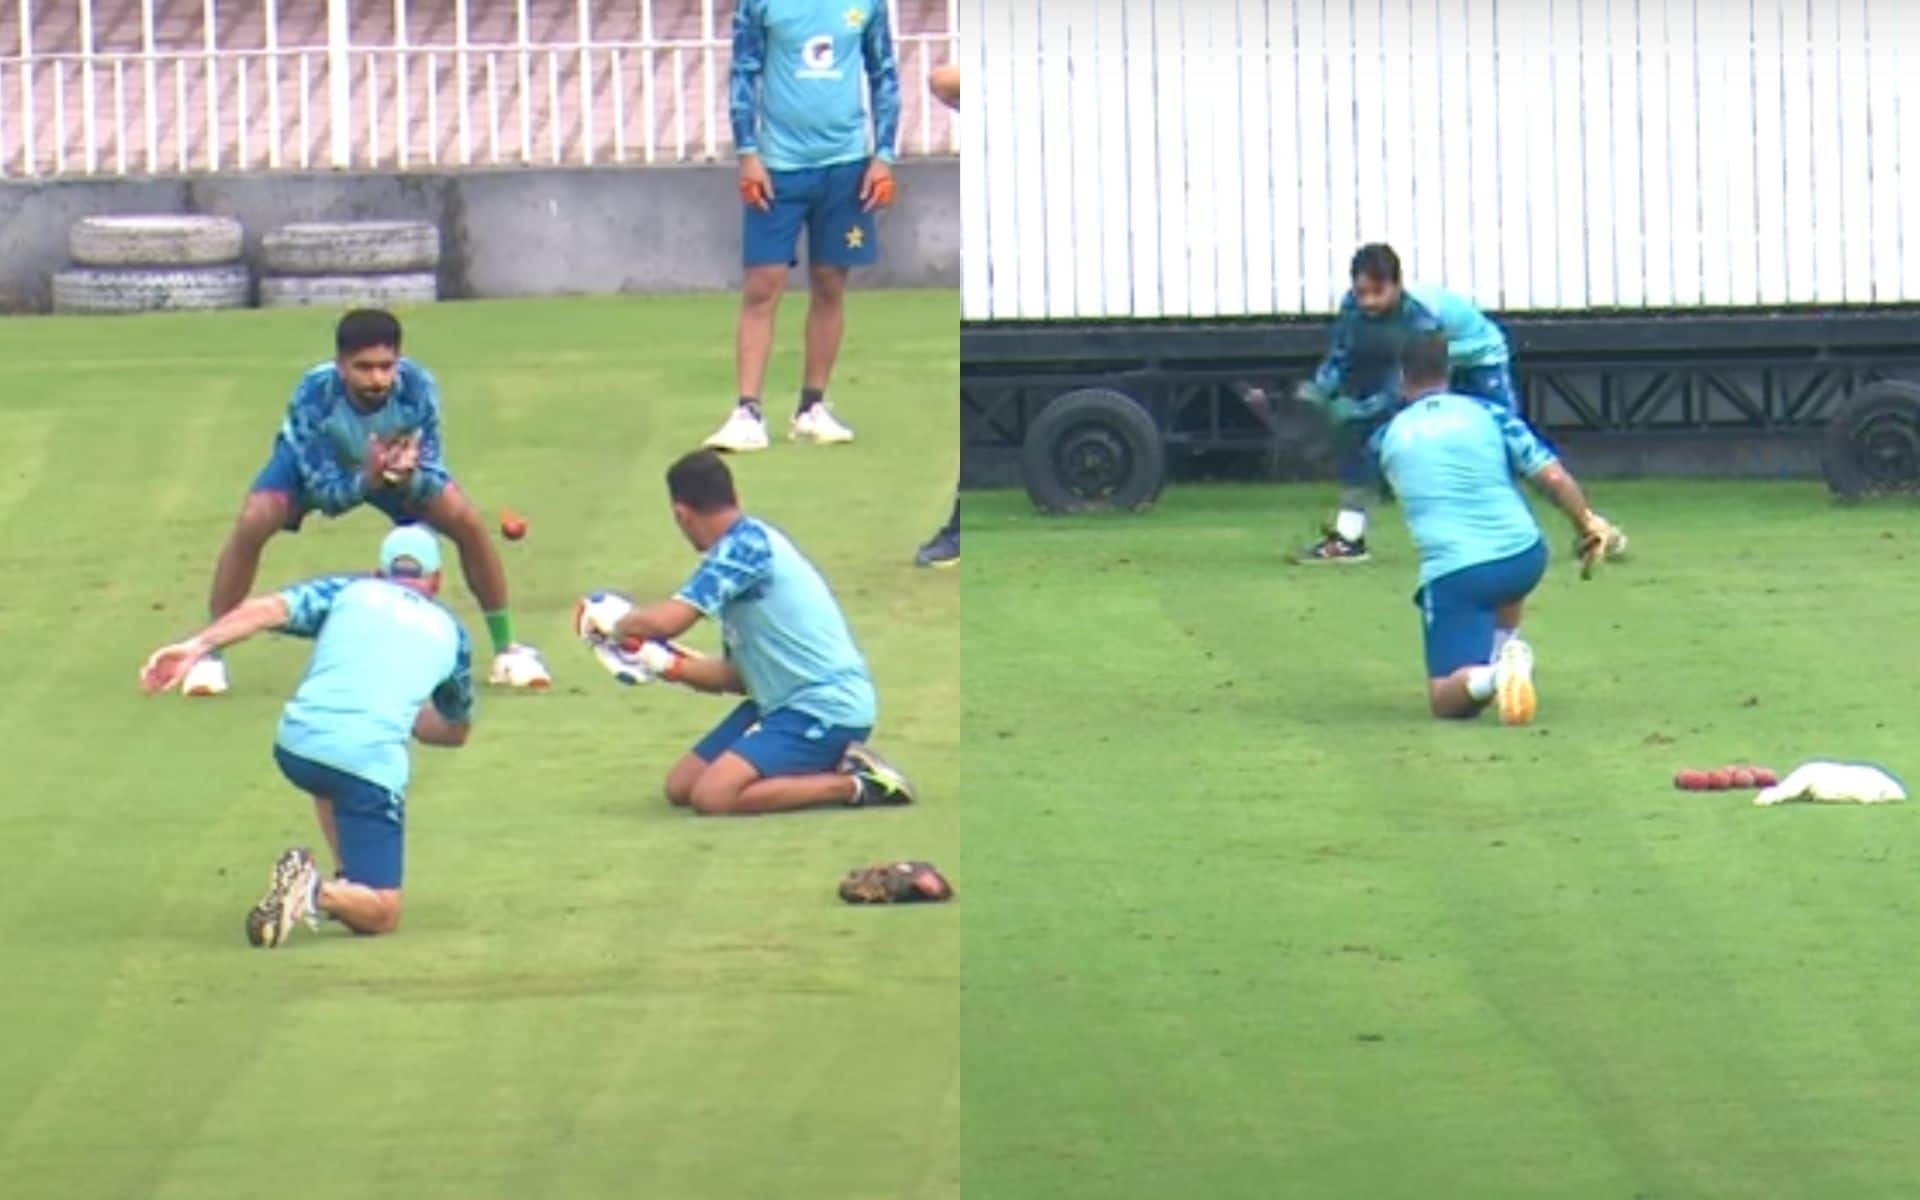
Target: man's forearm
[251, 617]
[704, 674]
[1565, 493]
[668, 619]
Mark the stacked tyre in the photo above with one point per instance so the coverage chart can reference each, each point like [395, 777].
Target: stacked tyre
[152, 264]
[341, 264]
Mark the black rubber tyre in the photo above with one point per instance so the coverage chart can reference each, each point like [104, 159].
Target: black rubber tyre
[1093, 450]
[1873, 442]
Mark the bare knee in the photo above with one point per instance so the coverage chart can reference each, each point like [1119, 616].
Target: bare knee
[681, 781]
[1450, 707]
[762, 288]
[261, 516]
[829, 287]
[385, 917]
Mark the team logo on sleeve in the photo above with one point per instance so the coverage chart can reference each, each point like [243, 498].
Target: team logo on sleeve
[817, 56]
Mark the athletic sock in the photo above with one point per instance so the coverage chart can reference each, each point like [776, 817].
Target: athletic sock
[500, 629]
[751, 404]
[1500, 639]
[1351, 524]
[1480, 683]
[808, 398]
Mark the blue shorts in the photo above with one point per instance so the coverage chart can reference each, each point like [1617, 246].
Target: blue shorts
[1457, 609]
[826, 201]
[282, 474]
[370, 820]
[783, 742]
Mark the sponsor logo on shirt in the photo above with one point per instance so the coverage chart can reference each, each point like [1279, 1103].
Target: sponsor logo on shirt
[817, 54]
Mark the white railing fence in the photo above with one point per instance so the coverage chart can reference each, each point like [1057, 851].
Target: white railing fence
[399, 105]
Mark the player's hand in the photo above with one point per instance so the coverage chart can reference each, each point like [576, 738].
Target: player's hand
[661, 658]
[1595, 534]
[168, 665]
[1313, 395]
[403, 455]
[375, 469]
[756, 186]
[876, 188]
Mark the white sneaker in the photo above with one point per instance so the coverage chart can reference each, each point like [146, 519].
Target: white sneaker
[742, 434]
[819, 426]
[208, 677]
[521, 667]
[1513, 683]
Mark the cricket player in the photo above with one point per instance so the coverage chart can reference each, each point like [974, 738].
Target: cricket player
[943, 548]
[1453, 460]
[804, 72]
[388, 662]
[797, 739]
[1357, 383]
[365, 429]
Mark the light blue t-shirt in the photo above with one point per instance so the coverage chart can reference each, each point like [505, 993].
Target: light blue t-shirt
[782, 627]
[328, 435]
[1453, 462]
[381, 651]
[803, 74]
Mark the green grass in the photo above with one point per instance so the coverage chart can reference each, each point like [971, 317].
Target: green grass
[590, 995]
[1244, 922]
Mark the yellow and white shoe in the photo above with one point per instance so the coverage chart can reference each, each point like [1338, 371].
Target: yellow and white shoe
[520, 667]
[819, 426]
[742, 434]
[208, 677]
[289, 899]
[1513, 683]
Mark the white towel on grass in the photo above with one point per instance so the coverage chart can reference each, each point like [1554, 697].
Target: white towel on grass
[1834, 783]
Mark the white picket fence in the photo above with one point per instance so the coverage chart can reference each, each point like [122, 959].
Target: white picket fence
[518, 82]
[1145, 158]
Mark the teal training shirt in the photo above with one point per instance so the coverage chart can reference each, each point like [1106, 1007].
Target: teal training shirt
[1453, 462]
[381, 651]
[803, 74]
[328, 435]
[782, 626]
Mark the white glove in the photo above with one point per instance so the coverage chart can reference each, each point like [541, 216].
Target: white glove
[596, 614]
[660, 658]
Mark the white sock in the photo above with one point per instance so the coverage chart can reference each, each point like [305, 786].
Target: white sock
[1350, 524]
[1480, 683]
[1500, 639]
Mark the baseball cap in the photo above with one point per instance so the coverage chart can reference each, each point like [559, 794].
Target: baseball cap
[415, 542]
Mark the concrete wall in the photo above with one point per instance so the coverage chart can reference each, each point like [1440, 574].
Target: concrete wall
[504, 233]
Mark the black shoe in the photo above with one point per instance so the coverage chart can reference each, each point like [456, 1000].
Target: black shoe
[880, 782]
[942, 551]
[1335, 549]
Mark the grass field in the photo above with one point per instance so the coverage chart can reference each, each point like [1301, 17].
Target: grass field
[590, 995]
[1244, 922]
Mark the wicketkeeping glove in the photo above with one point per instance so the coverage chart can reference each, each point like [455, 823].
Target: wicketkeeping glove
[895, 883]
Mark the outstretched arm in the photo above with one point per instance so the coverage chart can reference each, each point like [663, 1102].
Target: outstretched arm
[168, 665]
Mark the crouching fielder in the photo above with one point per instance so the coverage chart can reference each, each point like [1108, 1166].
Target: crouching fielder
[797, 740]
[1454, 462]
[389, 663]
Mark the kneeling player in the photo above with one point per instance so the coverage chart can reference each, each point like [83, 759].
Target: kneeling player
[1453, 461]
[365, 429]
[388, 662]
[796, 742]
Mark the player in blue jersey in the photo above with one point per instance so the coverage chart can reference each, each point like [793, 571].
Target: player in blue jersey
[365, 429]
[805, 73]
[798, 740]
[1454, 461]
[389, 663]
[1358, 383]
